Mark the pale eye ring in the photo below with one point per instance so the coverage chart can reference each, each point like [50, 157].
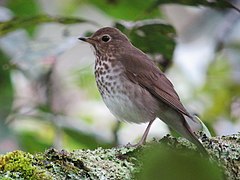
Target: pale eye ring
[106, 38]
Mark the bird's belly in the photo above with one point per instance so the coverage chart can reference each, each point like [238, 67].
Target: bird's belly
[125, 110]
[129, 102]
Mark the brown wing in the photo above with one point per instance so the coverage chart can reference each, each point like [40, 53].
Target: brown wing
[141, 70]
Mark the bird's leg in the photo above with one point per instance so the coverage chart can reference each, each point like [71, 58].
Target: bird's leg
[144, 137]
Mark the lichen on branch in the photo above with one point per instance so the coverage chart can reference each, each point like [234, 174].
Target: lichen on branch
[124, 162]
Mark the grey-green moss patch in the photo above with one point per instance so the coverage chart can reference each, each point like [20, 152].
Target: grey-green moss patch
[226, 151]
[116, 163]
[108, 163]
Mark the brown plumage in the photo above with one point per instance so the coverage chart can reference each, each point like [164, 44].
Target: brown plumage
[132, 86]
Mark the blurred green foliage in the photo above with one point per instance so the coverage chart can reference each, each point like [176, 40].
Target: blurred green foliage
[27, 138]
[128, 10]
[87, 140]
[85, 81]
[31, 21]
[161, 162]
[22, 8]
[221, 89]
[6, 94]
[214, 4]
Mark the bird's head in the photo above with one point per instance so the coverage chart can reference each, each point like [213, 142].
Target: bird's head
[106, 38]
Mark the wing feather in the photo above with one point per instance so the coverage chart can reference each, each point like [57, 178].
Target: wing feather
[141, 70]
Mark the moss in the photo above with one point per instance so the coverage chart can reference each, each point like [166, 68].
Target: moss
[21, 165]
[63, 165]
[115, 163]
[89, 164]
[112, 163]
[225, 151]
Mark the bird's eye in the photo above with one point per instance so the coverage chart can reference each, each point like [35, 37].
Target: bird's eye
[106, 38]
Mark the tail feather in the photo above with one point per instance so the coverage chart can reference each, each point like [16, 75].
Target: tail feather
[196, 125]
[193, 138]
[179, 123]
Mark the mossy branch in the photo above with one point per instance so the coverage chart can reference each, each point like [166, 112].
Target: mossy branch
[115, 163]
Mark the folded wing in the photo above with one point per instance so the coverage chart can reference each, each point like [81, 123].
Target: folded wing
[147, 75]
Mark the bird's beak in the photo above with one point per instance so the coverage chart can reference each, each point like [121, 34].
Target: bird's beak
[87, 39]
[82, 38]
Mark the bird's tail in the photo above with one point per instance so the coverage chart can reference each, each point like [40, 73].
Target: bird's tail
[183, 125]
[196, 125]
[189, 134]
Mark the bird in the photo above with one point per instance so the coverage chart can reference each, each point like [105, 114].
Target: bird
[133, 88]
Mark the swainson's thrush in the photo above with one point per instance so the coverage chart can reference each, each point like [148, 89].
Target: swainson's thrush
[133, 88]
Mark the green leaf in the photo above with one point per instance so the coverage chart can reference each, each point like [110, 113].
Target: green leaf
[127, 9]
[21, 22]
[214, 4]
[23, 8]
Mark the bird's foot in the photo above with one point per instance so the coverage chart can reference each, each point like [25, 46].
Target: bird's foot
[137, 145]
